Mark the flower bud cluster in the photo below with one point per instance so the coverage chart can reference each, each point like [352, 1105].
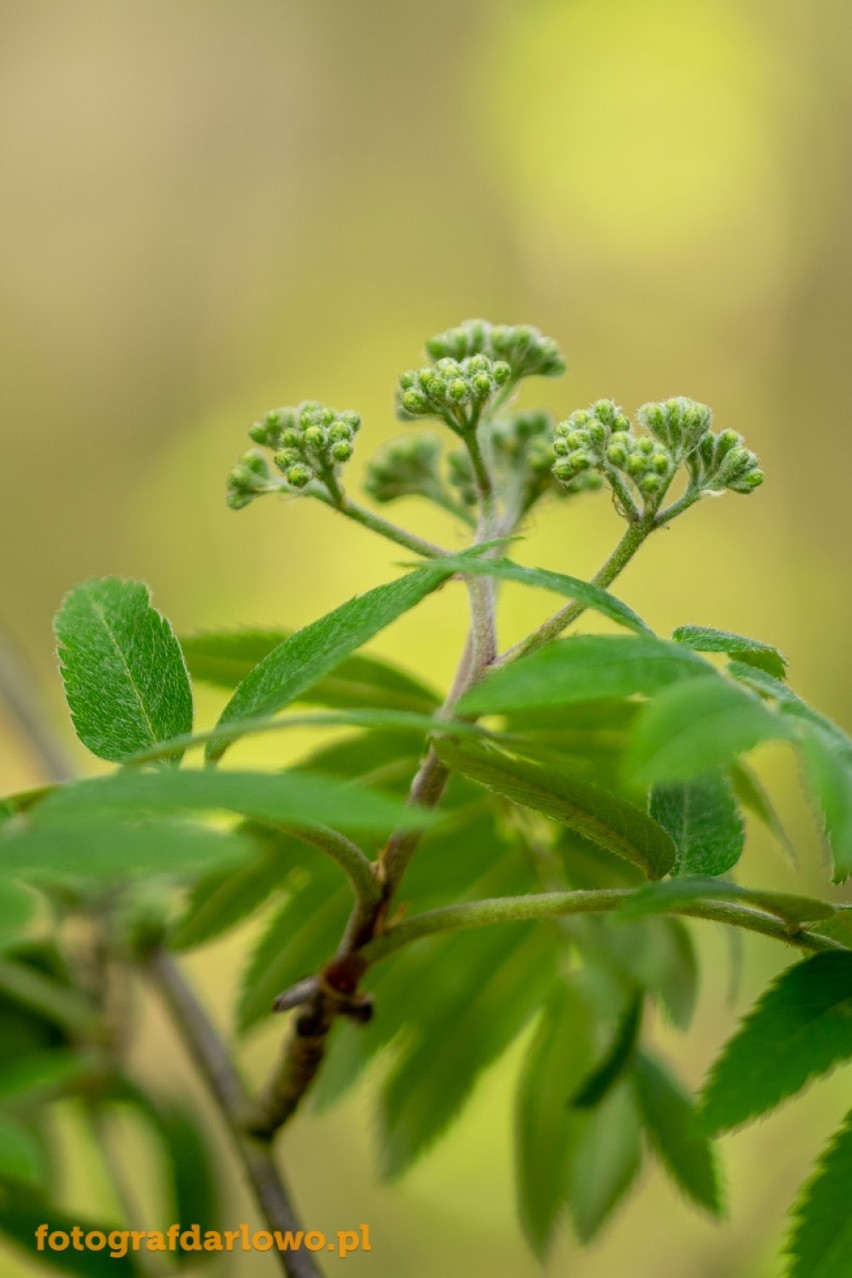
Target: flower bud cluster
[250, 478]
[601, 439]
[405, 467]
[527, 352]
[722, 461]
[679, 424]
[455, 391]
[308, 442]
[523, 453]
[641, 466]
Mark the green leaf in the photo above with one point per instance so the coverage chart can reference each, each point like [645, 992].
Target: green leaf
[751, 794]
[293, 798]
[601, 817]
[704, 822]
[431, 1083]
[125, 678]
[307, 655]
[670, 1120]
[676, 894]
[97, 847]
[21, 1155]
[558, 1057]
[605, 1161]
[17, 907]
[801, 1027]
[226, 657]
[227, 897]
[40, 1072]
[583, 668]
[583, 592]
[656, 954]
[616, 1060]
[400, 721]
[750, 651]
[301, 936]
[788, 703]
[829, 773]
[23, 1211]
[697, 726]
[821, 1244]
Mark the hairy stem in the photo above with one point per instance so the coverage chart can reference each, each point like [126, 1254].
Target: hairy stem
[633, 538]
[377, 524]
[348, 856]
[546, 905]
[214, 1064]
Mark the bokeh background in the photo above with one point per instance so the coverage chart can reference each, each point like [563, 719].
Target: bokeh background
[211, 208]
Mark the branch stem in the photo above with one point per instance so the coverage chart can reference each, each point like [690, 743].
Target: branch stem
[546, 905]
[214, 1064]
[384, 527]
[634, 536]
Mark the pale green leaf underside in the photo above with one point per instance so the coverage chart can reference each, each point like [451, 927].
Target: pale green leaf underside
[293, 798]
[821, 1243]
[106, 846]
[697, 726]
[829, 773]
[670, 1120]
[750, 651]
[584, 668]
[800, 1028]
[559, 1056]
[303, 658]
[599, 816]
[125, 678]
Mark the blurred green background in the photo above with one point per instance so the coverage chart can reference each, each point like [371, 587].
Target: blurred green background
[211, 208]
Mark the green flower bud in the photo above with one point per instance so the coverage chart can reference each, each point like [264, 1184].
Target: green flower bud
[458, 390]
[299, 475]
[501, 372]
[352, 420]
[341, 451]
[636, 465]
[650, 484]
[340, 431]
[605, 411]
[414, 401]
[291, 438]
[314, 436]
[482, 385]
[617, 454]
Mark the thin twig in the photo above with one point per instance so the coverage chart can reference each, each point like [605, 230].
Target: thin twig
[215, 1065]
[16, 689]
